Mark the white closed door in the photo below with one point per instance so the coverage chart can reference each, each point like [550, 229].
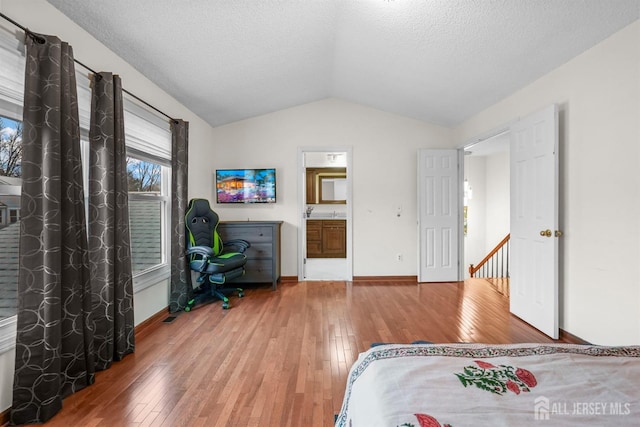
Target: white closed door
[534, 220]
[438, 215]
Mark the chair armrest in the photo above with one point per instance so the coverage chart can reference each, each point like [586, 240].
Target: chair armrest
[200, 250]
[238, 244]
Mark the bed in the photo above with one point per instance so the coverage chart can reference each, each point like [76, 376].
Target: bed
[458, 385]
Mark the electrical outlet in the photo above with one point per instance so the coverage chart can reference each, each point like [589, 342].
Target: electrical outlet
[399, 257]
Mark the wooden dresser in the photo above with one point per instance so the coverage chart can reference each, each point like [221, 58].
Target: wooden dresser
[263, 257]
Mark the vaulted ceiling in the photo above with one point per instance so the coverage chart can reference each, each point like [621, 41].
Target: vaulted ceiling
[439, 61]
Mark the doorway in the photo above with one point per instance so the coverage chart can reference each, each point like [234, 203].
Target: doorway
[486, 198]
[533, 218]
[325, 208]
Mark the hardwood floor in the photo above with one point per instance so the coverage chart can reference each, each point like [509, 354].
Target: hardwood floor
[282, 358]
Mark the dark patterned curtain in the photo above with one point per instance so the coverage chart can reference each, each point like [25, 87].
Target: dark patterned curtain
[54, 354]
[181, 287]
[109, 244]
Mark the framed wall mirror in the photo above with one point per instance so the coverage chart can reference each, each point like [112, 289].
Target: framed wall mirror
[326, 185]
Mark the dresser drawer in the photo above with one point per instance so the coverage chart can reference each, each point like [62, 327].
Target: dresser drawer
[263, 257]
[253, 234]
[257, 271]
[260, 251]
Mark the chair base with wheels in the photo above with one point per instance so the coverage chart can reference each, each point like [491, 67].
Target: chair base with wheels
[208, 256]
[202, 295]
[210, 289]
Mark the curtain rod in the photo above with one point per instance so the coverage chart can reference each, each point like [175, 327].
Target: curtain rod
[40, 39]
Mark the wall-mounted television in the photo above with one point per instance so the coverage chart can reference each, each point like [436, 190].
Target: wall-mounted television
[246, 185]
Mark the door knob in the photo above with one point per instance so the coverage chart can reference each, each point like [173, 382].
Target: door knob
[546, 233]
[558, 233]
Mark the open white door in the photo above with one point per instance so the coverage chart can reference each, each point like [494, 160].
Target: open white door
[438, 215]
[534, 220]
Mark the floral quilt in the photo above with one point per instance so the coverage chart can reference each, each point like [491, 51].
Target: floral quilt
[460, 385]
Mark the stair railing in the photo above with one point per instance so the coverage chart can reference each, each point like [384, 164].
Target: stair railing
[495, 264]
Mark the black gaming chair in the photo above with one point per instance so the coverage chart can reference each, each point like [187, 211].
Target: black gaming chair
[206, 255]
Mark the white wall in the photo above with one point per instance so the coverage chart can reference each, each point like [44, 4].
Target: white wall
[40, 16]
[384, 175]
[475, 242]
[497, 199]
[598, 94]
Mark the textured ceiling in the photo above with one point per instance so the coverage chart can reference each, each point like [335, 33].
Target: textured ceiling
[439, 61]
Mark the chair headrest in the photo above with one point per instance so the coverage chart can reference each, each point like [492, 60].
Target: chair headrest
[201, 224]
[199, 208]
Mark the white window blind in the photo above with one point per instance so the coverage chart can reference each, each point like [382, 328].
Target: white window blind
[12, 63]
[146, 132]
[83, 85]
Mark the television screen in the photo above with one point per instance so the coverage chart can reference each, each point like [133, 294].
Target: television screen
[246, 185]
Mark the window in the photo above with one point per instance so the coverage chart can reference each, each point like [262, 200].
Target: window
[148, 143]
[12, 65]
[147, 213]
[10, 187]
[10, 147]
[148, 140]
